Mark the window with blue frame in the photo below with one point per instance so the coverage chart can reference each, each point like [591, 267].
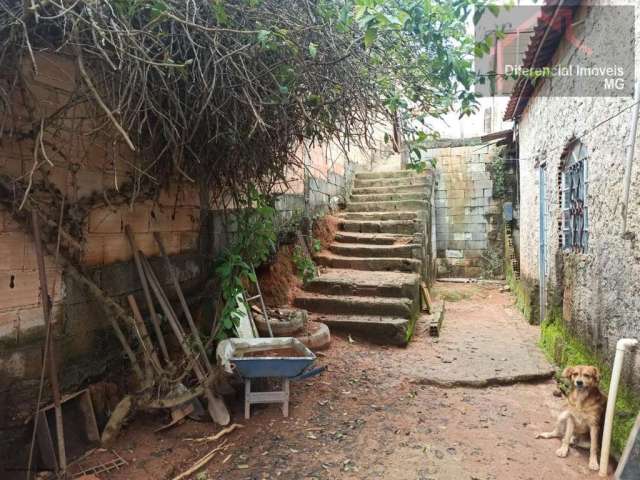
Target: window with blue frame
[575, 218]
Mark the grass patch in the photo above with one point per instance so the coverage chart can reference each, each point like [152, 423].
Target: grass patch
[565, 350]
[453, 296]
[526, 297]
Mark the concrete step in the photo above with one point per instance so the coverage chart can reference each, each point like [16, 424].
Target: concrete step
[407, 227]
[422, 180]
[404, 205]
[391, 174]
[331, 260]
[409, 250]
[359, 283]
[383, 330]
[408, 188]
[381, 197]
[352, 305]
[372, 238]
[391, 215]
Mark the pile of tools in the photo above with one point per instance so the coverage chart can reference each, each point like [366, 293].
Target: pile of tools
[165, 375]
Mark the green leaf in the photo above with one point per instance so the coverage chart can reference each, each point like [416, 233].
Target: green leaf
[313, 50]
[370, 36]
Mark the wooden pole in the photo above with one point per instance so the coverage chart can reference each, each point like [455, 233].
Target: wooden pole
[147, 295]
[215, 404]
[53, 368]
[183, 301]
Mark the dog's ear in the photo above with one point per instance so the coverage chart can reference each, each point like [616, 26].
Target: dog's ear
[596, 374]
[567, 372]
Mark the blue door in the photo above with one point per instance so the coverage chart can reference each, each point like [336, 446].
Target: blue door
[542, 255]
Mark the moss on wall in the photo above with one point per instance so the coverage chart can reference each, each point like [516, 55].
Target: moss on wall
[564, 349]
[526, 293]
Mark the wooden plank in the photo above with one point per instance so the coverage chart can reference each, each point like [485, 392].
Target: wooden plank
[436, 318]
[427, 304]
[215, 404]
[147, 294]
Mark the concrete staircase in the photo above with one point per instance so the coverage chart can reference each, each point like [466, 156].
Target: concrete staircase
[370, 274]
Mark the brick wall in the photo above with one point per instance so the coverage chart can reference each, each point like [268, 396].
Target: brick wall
[84, 167]
[468, 218]
[597, 290]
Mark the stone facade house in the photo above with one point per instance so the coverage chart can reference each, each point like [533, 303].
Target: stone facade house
[574, 251]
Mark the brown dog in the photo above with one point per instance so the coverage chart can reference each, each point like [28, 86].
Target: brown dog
[584, 414]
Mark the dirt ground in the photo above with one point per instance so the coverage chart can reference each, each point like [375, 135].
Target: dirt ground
[370, 416]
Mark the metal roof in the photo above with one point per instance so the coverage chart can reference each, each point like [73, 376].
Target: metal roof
[550, 28]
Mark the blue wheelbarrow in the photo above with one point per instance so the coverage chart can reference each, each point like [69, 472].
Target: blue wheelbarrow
[286, 358]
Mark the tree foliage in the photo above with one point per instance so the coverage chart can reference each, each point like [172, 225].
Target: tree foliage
[224, 91]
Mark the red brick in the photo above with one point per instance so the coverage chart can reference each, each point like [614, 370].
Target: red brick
[116, 249]
[12, 248]
[24, 292]
[138, 218]
[181, 219]
[171, 242]
[30, 260]
[93, 253]
[105, 220]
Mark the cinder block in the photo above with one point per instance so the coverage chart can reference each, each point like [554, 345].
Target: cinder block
[462, 236]
[455, 244]
[476, 228]
[9, 325]
[488, 193]
[456, 194]
[188, 242]
[477, 245]
[454, 254]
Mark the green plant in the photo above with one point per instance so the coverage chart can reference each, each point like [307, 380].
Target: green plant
[253, 242]
[304, 265]
[317, 245]
[497, 170]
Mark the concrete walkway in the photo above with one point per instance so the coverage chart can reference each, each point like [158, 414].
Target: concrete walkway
[482, 343]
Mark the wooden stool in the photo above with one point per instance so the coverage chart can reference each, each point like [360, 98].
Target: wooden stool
[278, 396]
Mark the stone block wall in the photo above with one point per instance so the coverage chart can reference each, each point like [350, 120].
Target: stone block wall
[468, 217]
[597, 290]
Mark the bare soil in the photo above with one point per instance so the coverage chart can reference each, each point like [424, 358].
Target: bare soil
[279, 282]
[368, 417]
[324, 229]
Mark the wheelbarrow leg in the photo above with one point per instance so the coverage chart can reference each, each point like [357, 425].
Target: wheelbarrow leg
[247, 398]
[285, 401]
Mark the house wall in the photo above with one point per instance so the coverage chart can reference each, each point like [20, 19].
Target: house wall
[468, 216]
[597, 290]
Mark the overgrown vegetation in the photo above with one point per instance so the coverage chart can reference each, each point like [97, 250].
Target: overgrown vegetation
[304, 264]
[222, 93]
[254, 241]
[564, 349]
[497, 170]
